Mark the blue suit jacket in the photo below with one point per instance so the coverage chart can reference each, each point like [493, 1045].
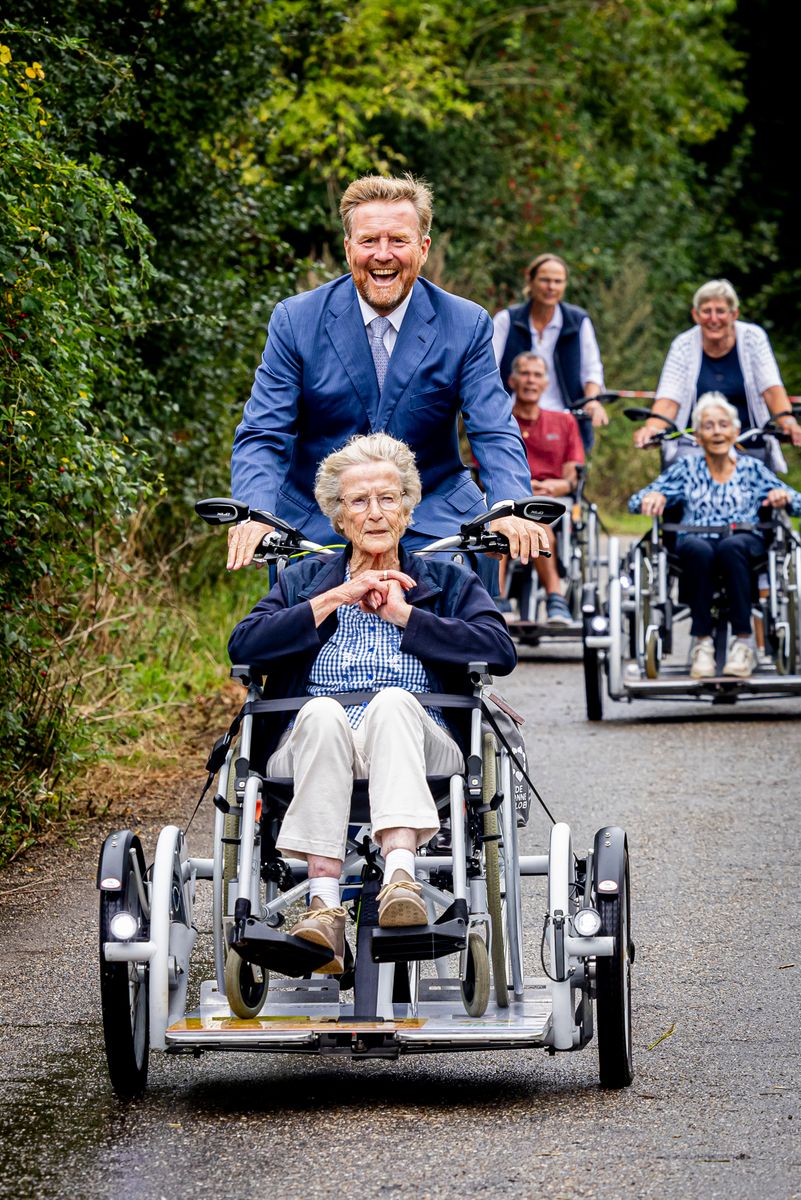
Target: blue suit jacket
[316, 386]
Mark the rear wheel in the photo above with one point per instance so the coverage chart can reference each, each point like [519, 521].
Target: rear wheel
[493, 875]
[124, 987]
[613, 989]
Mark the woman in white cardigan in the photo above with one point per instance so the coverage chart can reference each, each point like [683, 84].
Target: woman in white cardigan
[722, 354]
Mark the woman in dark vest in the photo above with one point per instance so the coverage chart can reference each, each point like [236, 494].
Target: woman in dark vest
[562, 334]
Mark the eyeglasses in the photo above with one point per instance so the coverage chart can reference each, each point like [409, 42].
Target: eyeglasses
[711, 426]
[387, 501]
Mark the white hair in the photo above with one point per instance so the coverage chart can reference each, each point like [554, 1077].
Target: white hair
[716, 289]
[714, 400]
[362, 449]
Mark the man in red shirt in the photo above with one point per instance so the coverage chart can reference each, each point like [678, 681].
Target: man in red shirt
[554, 450]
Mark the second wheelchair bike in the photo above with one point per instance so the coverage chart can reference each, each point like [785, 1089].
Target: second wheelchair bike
[461, 982]
[580, 562]
[629, 640]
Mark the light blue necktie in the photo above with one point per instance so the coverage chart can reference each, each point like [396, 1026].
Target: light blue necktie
[377, 328]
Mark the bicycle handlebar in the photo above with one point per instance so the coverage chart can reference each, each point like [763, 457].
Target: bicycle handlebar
[284, 541]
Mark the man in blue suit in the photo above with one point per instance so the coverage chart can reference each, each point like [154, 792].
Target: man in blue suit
[380, 349]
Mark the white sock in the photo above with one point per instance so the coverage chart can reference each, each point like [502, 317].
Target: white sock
[326, 889]
[398, 860]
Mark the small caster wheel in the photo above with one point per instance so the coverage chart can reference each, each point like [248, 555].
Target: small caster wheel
[476, 984]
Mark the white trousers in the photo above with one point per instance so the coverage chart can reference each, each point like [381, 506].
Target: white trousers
[395, 747]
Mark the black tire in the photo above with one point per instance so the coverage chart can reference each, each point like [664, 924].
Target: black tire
[476, 984]
[653, 652]
[246, 986]
[613, 990]
[124, 991]
[493, 876]
[787, 657]
[593, 684]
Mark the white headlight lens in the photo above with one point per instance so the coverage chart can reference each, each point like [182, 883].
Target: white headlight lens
[123, 926]
[587, 922]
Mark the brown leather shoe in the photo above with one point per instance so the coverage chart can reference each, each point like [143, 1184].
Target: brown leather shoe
[400, 903]
[325, 927]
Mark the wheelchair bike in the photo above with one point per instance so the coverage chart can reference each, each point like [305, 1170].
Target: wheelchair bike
[580, 563]
[629, 641]
[458, 983]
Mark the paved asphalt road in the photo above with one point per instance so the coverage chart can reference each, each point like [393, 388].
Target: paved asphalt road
[710, 802]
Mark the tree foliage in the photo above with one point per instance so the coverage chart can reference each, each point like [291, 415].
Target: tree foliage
[170, 168]
[73, 265]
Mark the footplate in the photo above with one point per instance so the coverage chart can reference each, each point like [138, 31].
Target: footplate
[416, 943]
[281, 952]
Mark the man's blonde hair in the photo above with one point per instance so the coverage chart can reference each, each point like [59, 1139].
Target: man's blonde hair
[388, 188]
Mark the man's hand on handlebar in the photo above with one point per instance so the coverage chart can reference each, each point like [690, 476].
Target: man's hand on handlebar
[645, 435]
[243, 542]
[596, 412]
[653, 504]
[791, 427]
[526, 538]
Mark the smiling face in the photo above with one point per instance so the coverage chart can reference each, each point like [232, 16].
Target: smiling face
[385, 252]
[716, 432]
[529, 382]
[378, 530]
[548, 285]
[716, 319]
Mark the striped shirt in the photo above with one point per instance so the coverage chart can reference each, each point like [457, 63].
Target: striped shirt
[364, 655]
[688, 481]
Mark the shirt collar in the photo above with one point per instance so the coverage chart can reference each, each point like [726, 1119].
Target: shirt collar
[395, 318]
[556, 321]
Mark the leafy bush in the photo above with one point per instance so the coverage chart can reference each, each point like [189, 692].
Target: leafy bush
[73, 261]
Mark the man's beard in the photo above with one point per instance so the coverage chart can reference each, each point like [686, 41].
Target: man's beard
[385, 299]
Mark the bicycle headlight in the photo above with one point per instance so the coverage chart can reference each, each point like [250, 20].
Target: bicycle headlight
[123, 926]
[587, 922]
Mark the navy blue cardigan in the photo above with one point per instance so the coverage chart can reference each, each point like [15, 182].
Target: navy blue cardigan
[453, 622]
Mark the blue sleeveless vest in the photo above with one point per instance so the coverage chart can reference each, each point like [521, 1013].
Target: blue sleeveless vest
[567, 354]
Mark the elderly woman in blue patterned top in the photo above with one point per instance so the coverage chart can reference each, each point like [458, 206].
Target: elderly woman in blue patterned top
[719, 488]
[372, 618]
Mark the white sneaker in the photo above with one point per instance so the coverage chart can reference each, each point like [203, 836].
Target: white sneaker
[741, 660]
[703, 660]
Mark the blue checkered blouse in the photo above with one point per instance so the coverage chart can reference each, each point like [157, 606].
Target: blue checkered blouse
[688, 481]
[364, 655]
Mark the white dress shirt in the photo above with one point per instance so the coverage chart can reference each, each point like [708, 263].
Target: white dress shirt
[395, 319]
[544, 344]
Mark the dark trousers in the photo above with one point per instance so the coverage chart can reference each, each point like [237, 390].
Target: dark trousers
[730, 560]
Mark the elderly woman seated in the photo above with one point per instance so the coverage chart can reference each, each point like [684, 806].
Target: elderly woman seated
[373, 618]
[720, 488]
